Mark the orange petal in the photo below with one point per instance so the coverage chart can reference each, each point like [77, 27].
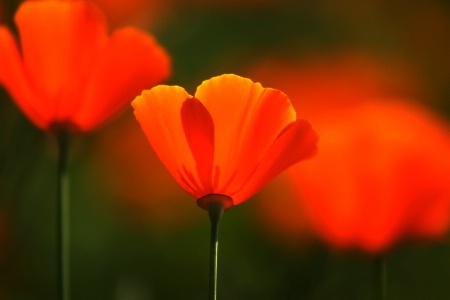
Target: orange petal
[60, 40]
[158, 112]
[130, 62]
[297, 142]
[13, 78]
[247, 119]
[199, 131]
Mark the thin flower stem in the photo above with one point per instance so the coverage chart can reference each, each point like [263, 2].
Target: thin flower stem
[215, 211]
[62, 218]
[380, 278]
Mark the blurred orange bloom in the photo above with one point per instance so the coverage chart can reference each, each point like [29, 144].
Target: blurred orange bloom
[232, 138]
[381, 175]
[69, 71]
[326, 195]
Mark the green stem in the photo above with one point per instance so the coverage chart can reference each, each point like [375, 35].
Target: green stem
[215, 211]
[380, 278]
[62, 218]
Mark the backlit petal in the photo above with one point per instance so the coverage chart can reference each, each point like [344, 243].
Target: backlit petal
[158, 111]
[199, 131]
[247, 119]
[297, 142]
[130, 62]
[60, 40]
[12, 76]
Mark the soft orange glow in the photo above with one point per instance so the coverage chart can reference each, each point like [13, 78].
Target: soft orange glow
[323, 82]
[142, 13]
[280, 216]
[382, 174]
[69, 70]
[121, 159]
[231, 138]
[379, 176]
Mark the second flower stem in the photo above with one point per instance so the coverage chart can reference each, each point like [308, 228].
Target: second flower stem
[380, 278]
[62, 218]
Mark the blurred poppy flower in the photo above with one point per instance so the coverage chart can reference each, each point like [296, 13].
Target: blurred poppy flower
[316, 194]
[69, 71]
[382, 175]
[231, 138]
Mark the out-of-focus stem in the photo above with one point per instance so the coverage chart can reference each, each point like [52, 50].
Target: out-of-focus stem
[380, 278]
[63, 218]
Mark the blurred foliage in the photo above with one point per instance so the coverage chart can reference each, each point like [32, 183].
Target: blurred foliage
[118, 254]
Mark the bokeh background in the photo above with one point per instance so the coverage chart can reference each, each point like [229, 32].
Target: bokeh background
[137, 235]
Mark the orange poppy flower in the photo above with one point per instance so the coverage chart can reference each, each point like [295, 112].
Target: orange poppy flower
[325, 195]
[382, 175]
[231, 138]
[69, 71]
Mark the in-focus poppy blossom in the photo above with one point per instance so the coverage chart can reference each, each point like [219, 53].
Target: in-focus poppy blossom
[230, 139]
[382, 176]
[69, 71]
